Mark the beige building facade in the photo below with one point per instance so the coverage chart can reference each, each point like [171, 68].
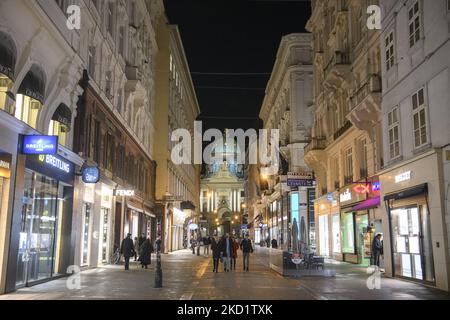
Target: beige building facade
[177, 186]
[345, 151]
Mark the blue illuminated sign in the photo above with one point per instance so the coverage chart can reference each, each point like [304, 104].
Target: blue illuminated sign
[376, 186]
[40, 145]
[91, 175]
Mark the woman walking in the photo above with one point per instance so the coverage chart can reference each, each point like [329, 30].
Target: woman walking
[234, 253]
[215, 254]
[146, 253]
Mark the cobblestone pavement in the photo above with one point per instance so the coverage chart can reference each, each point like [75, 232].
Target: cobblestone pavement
[187, 276]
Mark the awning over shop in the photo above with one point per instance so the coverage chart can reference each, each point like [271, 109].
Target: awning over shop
[63, 115]
[408, 193]
[33, 85]
[367, 204]
[187, 205]
[7, 56]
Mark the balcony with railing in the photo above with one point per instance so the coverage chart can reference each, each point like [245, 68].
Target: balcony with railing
[347, 125]
[315, 155]
[338, 68]
[365, 104]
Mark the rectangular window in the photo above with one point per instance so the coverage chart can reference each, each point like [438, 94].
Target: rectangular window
[364, 159]
[394, 133]
[110, 17]
[390, 49]
[420, 119]
[414, 24]
[348, 165]
[91, 62]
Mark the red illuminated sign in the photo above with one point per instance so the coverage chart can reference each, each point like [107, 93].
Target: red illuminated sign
[362, 188]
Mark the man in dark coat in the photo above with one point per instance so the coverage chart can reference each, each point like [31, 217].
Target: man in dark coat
[146, 253]
[377, 248]
[127, 250]
[142, 239]
[226, 250]
[247, 248]
[215, 254]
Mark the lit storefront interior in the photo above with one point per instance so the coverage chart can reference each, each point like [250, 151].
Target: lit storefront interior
[45, 219]
[411, 234]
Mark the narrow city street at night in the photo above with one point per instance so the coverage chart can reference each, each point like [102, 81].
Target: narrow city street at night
[190, 277]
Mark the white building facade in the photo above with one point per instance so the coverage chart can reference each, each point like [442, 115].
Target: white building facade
[416, 134]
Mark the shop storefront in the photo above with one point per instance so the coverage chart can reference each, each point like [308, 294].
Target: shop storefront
[412, 197]
[328, 226]
[86, 224]
[359, 220]
[45, 221]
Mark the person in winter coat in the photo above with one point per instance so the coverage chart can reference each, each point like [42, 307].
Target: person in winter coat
[234, 254]
[377, 249]
[136, 248]
[146, 253]
[226, 251]
[247, 248]
[215, 254]
[127, 250]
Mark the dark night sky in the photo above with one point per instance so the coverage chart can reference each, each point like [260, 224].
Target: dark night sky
[234, 36]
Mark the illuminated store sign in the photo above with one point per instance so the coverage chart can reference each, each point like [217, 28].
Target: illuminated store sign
[91, 175]
[376, 186]
[5, 166]
[405, 176]
[124, 193]
[362, 188]
[346, 196]
[40, 145]
[55, 163]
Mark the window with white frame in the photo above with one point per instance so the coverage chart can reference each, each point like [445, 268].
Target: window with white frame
[414, 24]
[91, 62]
[394, 133]
[390, 49]
[419, 119]
[364, 163]
[348, 156]
[110, 18]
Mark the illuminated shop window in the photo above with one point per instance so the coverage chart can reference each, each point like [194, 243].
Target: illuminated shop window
[7, 67]
[30, 96]
[60, 124]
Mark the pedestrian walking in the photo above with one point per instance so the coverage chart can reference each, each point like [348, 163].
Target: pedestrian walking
[142, 239]
[226, 250]
[136, 248]
[377, 249]
[215, 254]
[234, 254]
[127, 250]
[247, 249]
[146, 253]
[193, 245]
[206, 244]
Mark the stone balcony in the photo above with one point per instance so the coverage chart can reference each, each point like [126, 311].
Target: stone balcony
[338, 69]
[315, 155]
[365, 105]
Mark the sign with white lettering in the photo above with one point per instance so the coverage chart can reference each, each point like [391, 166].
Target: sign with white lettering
[346, 196]
[91, 175]
[52, 166]
[124, 193]
[405, 176]
[40, 145]
[5, 166]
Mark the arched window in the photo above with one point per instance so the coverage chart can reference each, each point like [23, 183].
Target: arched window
[30, 96]
[60, 125]
[8, 55]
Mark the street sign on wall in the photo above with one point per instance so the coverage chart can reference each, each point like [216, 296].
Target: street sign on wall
[300, 179]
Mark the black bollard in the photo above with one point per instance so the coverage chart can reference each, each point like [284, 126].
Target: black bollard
[158, 272]
[198, 250]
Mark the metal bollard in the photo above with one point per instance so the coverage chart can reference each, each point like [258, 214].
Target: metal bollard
[158, 272]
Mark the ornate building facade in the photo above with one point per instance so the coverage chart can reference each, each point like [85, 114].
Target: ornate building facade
[346, 148]
[178, 186]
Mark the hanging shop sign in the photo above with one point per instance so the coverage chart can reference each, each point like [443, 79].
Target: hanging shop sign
[405, 176]
[40, 145]
[124, 193]
[52, 166]
[193, 226]
[303, 179]
[362, 188]
[5, 166]
[346, 196]
[91, 174]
